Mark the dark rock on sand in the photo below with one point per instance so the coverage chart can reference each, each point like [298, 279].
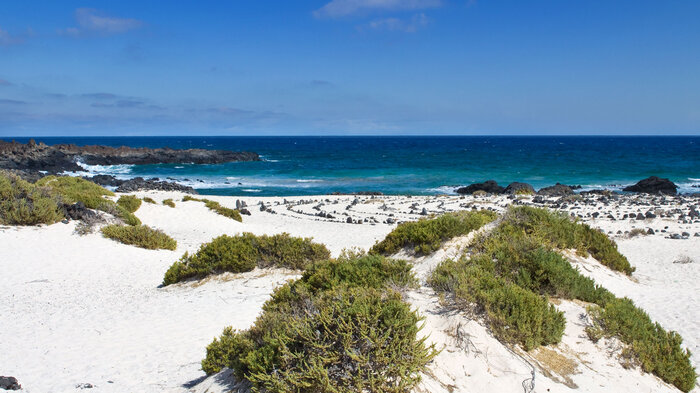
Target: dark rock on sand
[653, 185]
[9, 383]
[519, 188]
[556, 190]
[78, 211]
[59, 158]
[489, 186]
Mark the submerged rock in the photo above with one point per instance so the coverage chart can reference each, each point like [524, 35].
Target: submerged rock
[653, 185]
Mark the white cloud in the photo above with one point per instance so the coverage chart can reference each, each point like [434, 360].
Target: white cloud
[396, 24]
[341, 8]
[93, 21]
[7, 39]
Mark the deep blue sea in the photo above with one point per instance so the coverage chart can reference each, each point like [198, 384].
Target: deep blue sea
[413, 165]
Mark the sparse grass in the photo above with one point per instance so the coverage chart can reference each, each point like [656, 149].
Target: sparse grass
[348, 333]
[149, 200]
[653, 348]
[169, 202]
[427, 235]
[140, 236]
[637, 232]
[129, 202]
[216, 207]
[243, 253]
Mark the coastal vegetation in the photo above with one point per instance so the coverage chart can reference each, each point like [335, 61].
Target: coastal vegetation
[425, 236]
[149, 200]
[140, 236]
[242, 253]
[74, 189]
[129, 202]
[24, 203]
[341, 327]
[216, 207]
[511, 272]
[169, 202]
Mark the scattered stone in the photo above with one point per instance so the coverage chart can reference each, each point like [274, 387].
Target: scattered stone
[244, 211]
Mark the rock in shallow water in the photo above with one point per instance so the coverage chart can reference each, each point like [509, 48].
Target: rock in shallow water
[653, 185]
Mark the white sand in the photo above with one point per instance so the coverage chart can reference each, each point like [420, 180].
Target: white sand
[89, 310]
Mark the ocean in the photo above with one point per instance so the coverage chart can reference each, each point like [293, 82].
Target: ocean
[419, 165]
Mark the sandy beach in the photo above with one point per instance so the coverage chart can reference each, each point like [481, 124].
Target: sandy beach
[87, 312]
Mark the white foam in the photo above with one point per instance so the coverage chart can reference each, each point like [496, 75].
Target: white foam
[121, 169]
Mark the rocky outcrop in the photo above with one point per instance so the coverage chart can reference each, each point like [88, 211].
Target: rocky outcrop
[653, 185]
[59, 158]
[489, 186]
[519, 188]
[556, 190]
[139, 184]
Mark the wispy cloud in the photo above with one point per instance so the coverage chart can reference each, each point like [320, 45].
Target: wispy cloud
[343, 8]
[7, 39]
[5, 101]
[92, 21]
[100, 96]
[3, 82]
[398, 24]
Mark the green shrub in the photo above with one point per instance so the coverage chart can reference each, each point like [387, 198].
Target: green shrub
[129, 202]
[140, 236]
[216, 207]
[243, 253]
[654, 349]
[149, 200]
[75, 189]
[559, 231]
[427, 235]
[169, 202]
[515, 315]
[23, 203]
[338, 328]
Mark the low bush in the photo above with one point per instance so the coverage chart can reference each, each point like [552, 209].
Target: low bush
[169, 202]
[425, 236]
[140, 236]
[559, 231]
[654, 349]
[75, 189]
[340, 335]
[129, 202]
[23, 203]
[243, 253]
[216, 207]
[515, 315]
[149, 200]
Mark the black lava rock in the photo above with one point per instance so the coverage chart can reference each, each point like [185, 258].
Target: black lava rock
[518, 188]
[653, 185]
[489, 186]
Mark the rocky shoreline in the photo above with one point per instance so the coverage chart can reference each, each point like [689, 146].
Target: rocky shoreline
[54, 159]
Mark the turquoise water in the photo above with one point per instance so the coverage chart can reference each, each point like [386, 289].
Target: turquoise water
[414, 165]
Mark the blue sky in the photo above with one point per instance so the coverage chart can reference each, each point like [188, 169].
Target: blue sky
[262, 67]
